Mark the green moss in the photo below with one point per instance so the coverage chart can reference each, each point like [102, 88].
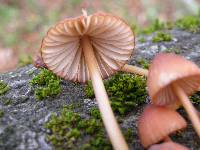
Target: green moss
[7, 102]
[25, 60]
[69, 128]
[189, 23]
[142, 40]
[46, 84]
[173, 50]
[161, 36]
[144, 63]
[128, 134]
[155, 26]
[195, 98]
[3, 88]
[125, 92]
[94, 112]
[1, 113]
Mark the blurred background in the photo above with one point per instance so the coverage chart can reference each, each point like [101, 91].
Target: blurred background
[23, 23]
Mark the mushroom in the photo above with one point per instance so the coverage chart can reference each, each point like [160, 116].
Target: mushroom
[168, 146]
[91, 47]
[156, 123]
[171, 80]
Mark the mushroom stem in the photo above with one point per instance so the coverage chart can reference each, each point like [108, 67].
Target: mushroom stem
[192, 113]
[109, 120]
[135, 70]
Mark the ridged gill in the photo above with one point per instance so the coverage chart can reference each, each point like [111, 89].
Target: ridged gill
[111, 38]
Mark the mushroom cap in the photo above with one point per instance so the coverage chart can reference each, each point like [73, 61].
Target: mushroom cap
[166, 69]
[111, 38]
[157, 122]
[168, 146]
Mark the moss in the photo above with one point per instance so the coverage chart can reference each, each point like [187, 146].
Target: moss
[7, 102]
[25, 60]
[189, 23]
[1, 113]
[128, 134]
[3, 88]
[161, 36]
[46, 84]
[155, 26]
[173, 50]
[125, 92]
[142, 40]
[69, 128]
[94, 112]
[144, 63]
[195, 98]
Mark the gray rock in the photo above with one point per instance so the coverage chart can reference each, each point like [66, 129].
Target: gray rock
[21, 128]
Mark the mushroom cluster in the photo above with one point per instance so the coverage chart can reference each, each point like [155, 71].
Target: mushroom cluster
[169, 86]
[94, 47]
[156, 123]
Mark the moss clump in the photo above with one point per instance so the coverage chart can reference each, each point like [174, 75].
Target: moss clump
[155, 26]
[195, 98]
[189, 23]
[1, 113]
[69, 129]
[173, 50]
[25, 60]
[125, 92]
[46, 84]
[142, 40]
[7, 102]
[144, 63]
[3, 88]
[161, 36]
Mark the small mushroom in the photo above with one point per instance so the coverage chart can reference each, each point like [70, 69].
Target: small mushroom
[171, 80]
[156, 123]
[91, 47]
[168, 146]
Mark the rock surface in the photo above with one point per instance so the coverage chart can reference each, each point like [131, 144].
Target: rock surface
[21, 127]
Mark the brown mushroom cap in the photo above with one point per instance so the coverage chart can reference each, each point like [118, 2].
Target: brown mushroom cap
[167, 69]
[111, 38]
[157, 122]
[168, 146]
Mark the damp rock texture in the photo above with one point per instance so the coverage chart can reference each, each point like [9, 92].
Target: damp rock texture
[22, 123]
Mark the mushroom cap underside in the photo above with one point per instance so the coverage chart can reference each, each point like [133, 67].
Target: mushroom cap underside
[111, 38]
[168, 69]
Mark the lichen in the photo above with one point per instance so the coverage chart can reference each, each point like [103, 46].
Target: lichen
[125, 92]
[189, 23]
[46, 84]
[161, 36]
[3, 88]
[69, 129]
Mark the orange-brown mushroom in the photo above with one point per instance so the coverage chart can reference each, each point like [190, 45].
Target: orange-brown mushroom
[168, 146]
[156, 123]
[171, 80]
[91, 47]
